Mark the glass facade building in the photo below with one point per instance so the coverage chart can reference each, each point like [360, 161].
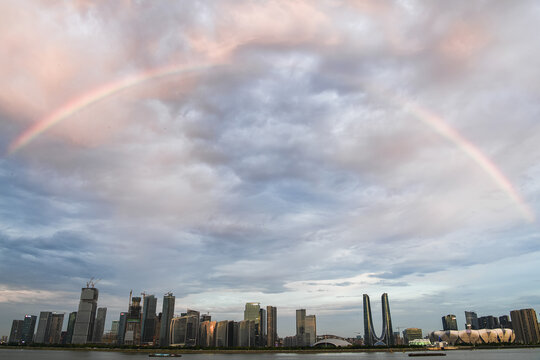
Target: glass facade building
[29, 325]
[271, 326]
[166, 318]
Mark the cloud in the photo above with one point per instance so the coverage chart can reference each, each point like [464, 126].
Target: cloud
[283, 171]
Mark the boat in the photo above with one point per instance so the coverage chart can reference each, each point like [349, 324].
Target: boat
[164, 355]
[428, 353]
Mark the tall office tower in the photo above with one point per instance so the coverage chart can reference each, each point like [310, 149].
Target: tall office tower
[232, 334]
[133, 324]
[148, 319]
[122, 323]
[301, 327]
[525, 325]
[411, 334]
[449, 322]
[99, 326]
[471, 319]
[207, 334]
[16, 331]
[29, 325]
[43, 328]
[70, 327]
[206, 317]
[311, 330]
[252, 311]
[505, 322]
[246, 333]
[166, 317]
[271, 326]
[55, 330]
[261, 328]
[86, 315]
[222, 334]
[386, 337]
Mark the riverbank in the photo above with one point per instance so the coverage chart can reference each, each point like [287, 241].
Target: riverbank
[263, 351]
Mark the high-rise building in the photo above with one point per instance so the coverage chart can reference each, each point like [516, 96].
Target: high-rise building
[261, 328]
[86, 315]
[29, 325]
[122, 324]
[133, 323]
[207, 334]
[166, 317]
[252, 311]
[114, 327]
[222, 334]
[525, 325]
[449, 322]
[301, 327]
[505, 322]
[55, 329]
[43, 328]
[70, 327]
[16, 331]
[246, 333]
[386, 337]
[148, 319]
[185, 329]
[99, 326]
[311, 330]
[471, 319]
[411, 334]
[488, 322]
[206, 317]
[271, 326]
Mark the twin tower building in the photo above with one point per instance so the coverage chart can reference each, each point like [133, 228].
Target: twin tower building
[387, 335]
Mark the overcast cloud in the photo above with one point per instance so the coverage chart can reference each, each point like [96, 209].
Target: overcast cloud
[287, 166]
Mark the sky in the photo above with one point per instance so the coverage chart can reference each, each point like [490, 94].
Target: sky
[293, 153]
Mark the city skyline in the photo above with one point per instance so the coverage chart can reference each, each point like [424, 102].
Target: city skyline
[297, 154]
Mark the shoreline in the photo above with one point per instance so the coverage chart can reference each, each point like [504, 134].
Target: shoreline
[266, 351]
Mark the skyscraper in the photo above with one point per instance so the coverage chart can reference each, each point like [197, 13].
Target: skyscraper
[449, 322]
[185, 329]
[301, 327]
[311, 330]
[525, 325]
[471, 319]
[122, 323]
[166, 317]
[44, 327]
[99, 326]
[271, 326]
[55, 329]
[488, 322]
[387, 337]
[252, 311]
[16, 331]
[70, 327]
[133, 323]
[29, 325]
[86, 315]
[148, 319]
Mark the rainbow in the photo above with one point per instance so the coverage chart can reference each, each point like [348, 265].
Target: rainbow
[421, 113]
[441, 127]
[94, 96]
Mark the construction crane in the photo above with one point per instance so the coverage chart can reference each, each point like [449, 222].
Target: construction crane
[91, 283]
